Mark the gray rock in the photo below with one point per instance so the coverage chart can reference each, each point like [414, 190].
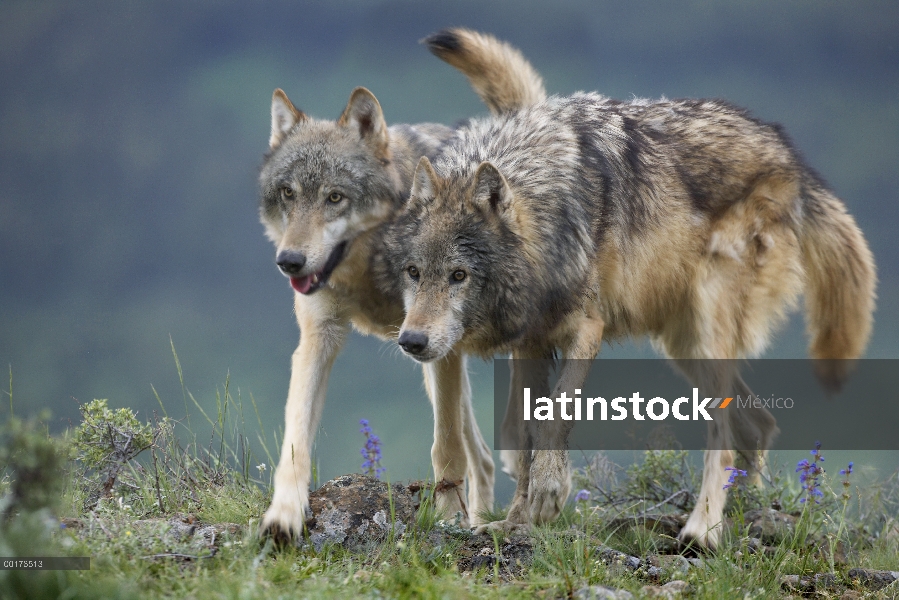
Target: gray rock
[871, 579]
[770, 526]
[354, 511]
[601, 592]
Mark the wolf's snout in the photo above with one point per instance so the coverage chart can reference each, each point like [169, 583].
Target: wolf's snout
[413, 342]
[290, 262]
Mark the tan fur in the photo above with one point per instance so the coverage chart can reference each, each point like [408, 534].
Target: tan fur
[581, 219]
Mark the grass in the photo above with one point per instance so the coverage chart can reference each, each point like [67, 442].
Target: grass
[136, 535]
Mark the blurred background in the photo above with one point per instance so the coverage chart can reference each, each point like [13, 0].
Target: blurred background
[131, 135]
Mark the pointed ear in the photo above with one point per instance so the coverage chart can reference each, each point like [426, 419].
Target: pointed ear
[423, 181]
[363, 113]
[284, 117]
[491, 192]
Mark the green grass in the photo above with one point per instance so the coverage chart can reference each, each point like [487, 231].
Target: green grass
[137, 554]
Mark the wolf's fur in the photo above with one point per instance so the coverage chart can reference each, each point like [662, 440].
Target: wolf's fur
[583, 218]
[328, 189]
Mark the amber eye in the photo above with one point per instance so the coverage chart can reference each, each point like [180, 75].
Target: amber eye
[287, 192]
[335, 197]
[459, 275]
[413, 271]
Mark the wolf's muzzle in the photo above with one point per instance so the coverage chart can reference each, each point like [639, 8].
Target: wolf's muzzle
[413, 342]
[290, 262]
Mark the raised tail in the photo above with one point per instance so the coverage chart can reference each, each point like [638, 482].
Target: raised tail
[499, 74]
[840, 284]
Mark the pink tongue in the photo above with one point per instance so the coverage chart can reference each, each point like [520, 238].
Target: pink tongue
[301, 284]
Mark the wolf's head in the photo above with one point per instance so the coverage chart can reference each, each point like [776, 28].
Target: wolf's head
[456, 256]
[323, 184]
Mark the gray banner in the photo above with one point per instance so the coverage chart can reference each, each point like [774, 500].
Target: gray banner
[697, 404]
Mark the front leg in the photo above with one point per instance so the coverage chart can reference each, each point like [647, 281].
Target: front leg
[321, 337]
[446, 383]
[550, 480]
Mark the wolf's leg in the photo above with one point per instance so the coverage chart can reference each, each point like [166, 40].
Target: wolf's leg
[322, 335]
[509, 431]
[535, 375]
[714, 378]
[480, 458]
[550, 472]
[446, 383]
[753, 431]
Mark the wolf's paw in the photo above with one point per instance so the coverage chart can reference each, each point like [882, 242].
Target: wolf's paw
[549, 486]
[284, 520]
[504, 527]
[450, 501]
[697, 535]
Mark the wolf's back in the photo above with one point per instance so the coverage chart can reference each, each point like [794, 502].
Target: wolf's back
[499, 74]
[840, 281]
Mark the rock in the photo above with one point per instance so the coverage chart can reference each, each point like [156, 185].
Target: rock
[677, 585]
[670, 590]
[670, 563]
[354, 511]
[601, 592]
[871, 579]
[808, 584]
[770, 526]
[610, 556]
[479, 552]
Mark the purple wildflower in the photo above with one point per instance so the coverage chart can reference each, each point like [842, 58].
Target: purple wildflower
[371, 452]
[846, 473]
[582, 496]
[809, 475]
[732, 479]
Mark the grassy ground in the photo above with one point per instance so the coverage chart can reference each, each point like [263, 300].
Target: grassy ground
[180, 520]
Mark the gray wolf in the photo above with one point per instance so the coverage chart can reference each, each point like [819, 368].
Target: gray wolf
[328, 189]
[582, 219]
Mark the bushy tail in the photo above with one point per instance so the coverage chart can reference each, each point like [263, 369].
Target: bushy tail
[499, 74]
[840, 286]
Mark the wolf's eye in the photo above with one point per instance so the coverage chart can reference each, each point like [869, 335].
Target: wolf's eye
[413, 271]
[335, 197]
[459, 275]
[287, 192]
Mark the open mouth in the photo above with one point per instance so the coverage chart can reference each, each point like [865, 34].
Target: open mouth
[309, 283]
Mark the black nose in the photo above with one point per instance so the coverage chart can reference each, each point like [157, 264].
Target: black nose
[290, 262]
[413, 342]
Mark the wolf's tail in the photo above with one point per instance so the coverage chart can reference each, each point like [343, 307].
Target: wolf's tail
[499, 74]
[840, 283]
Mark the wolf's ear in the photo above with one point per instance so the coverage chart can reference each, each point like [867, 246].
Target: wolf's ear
[423, 181]
[364, 114]
[491, 191]
[284, 117]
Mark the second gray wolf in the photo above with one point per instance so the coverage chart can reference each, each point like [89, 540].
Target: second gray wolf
[582, 219]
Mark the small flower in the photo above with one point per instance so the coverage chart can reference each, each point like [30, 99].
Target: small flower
[809, 473]
[371, 452]
[582, 496]
[846, 473]
[261, 467]
[732, 479]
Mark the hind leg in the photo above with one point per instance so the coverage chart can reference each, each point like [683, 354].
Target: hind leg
[753, 431]
[509, 430]
[714, 379]
[480, 459]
